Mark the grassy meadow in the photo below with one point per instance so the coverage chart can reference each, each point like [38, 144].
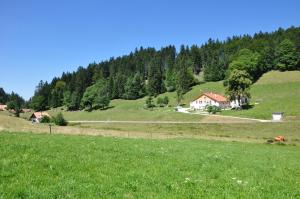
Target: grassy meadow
[60, 166]
[244, 132]
[215, 158]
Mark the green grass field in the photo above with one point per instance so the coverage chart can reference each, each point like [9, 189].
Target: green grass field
[57, 166]
[245, 132]
[205, 160]
[254, 132]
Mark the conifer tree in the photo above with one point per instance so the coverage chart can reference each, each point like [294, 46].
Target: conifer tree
[155, 77]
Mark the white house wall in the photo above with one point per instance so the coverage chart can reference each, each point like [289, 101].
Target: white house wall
[203, 101]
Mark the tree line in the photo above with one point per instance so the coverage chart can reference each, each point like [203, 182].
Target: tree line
[147, 71]
[13, 101]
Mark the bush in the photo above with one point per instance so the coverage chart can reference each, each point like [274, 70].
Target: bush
[149, 103]
[45, 119]
[213, 109]
[59, 120]
[162, 101]
[166, 100]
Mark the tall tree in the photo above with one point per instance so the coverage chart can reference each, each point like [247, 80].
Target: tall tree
[238, 85]
[3, 96]
[266, 61]
[134, 87]
[155, 77]
[184, 76]
[15, 103]
[247, 61]
[287, 57]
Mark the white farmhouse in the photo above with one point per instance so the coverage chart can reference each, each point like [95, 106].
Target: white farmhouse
[209, 99]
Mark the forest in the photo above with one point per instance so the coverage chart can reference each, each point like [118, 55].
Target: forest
[149, 72]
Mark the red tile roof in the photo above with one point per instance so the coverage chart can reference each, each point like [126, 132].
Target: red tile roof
[214, 96]
[39, 114]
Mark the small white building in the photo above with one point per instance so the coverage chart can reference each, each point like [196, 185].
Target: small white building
[277, 116]
[235, 103]
[209, 99]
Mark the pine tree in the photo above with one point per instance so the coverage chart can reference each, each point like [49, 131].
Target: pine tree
[155, 77]
[134, 87]
[184, 77]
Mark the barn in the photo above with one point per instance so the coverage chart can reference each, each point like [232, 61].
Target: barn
[37, 116]
[209, 99]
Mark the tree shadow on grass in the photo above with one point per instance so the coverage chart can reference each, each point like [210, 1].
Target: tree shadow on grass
[107, 108]
[247, 106]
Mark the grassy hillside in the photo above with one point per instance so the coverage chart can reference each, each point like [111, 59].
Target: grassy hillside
[134, 109]
[45, 166]
[273, 92]
[126, 110]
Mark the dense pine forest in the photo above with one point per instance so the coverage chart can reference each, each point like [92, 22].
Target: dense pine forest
[147, 71]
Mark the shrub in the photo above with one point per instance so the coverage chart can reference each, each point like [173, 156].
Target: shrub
[166, 100]
[162, 101]
[149, 103]
[213, 109]
[59, 120]
[45, 119]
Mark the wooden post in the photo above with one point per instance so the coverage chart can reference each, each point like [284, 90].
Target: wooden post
[50, 128]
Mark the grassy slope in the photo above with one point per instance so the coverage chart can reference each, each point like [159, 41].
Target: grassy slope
[45, 166]
[275, 91]
[133, 109]
[130, 111]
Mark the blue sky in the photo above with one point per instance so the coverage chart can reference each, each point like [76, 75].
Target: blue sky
[41, 39]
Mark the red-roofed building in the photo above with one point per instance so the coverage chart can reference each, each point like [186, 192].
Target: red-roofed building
[209, 99]
[37, 116]
[3, 107]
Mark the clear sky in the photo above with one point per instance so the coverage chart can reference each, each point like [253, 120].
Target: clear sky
[41, 39]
